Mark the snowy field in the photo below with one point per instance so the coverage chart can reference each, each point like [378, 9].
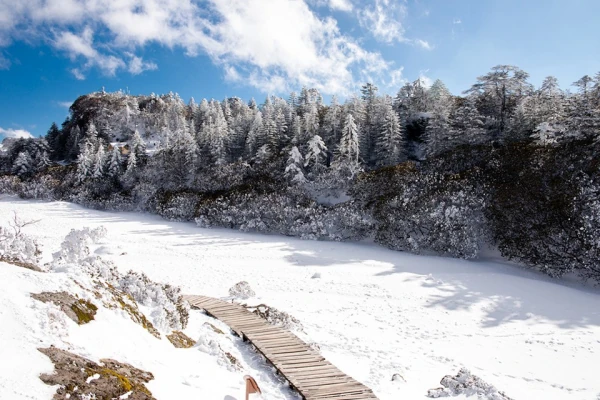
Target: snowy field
[373, 312]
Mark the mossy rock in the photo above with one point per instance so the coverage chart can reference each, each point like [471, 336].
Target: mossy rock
[181, 340]
[76, 375]
[79, 310]
[128, 304]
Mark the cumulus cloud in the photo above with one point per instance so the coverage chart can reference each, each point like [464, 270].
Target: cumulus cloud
[137, 65]
[383, 20]
[272, 45]
[339, 5]
[15, 133]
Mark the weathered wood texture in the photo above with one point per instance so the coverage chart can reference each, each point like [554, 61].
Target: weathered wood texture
[306, 370]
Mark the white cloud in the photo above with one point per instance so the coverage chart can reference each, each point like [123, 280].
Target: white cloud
[81, 45]
[4, 62]
[137, 65]
[78, 74]
[383, 19]
[396, 78]
[64, 104]
[339, 5]
[457, 22]
[425, 80]
[15, 133]
[423, 44]
[265, 43]
[342, 5]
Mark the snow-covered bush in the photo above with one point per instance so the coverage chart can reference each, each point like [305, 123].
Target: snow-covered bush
[241, 290]
[168, 308]
[180, 206]
[277, 317]
[9, 184]
[419, 212]
[17, 246]
[75, 247]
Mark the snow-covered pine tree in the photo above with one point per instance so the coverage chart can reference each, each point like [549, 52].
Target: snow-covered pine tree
[42, 161]
[438, 133]
[85, 161]
[22, 165]
[467, 126]
[390, 144]
[316, 155]
[98, 170]
[73, 143]
[115, 163]
[255, 139]
[349, 148]
[332, 123]
[294, 170]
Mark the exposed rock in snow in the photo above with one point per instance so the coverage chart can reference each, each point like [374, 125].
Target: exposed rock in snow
[79, 377]
[464, 383]
[316, 275]
[180, 340]
[79, 310]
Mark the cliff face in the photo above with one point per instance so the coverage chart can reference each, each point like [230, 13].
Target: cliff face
[118, 115]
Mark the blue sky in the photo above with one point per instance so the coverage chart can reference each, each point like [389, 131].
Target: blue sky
[52, 51]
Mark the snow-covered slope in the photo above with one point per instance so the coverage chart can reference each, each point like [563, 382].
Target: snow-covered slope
[373, 312]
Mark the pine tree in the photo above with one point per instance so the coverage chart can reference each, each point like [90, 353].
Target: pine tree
[85, 162]
[22, 165]
[53, 137]
[281, 137]
[115, 163]
[390, 144]
[131, 170]
[138, 146]
[438, 133]
[73, 142]
[42, 161]
[467, 126]
[99, 162]
[349, 149]
[254, 140]
[317, 154]
[294, 171]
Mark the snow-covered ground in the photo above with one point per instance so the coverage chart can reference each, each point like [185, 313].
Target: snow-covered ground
[373, 312]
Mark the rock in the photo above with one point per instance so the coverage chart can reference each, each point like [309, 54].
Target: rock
[233, 361]
[398, 377]
[241, 290]
[21, 264]
[110, 380]
[180, 340]
[464, 383]
[79, 310]
[214, 328]
[316, 275]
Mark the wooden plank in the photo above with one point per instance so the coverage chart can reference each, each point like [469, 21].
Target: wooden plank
[306, 370]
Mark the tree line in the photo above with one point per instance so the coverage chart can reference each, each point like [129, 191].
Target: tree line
[505, 164]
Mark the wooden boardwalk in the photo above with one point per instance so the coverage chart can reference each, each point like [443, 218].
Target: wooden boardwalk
[306, 370]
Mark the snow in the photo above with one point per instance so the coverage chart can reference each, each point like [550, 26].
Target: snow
[373, 313]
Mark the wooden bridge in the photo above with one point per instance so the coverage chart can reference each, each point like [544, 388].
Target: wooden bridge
[306, 370]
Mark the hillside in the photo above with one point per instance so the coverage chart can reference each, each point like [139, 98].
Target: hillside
[516, 169]
[373, 312]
